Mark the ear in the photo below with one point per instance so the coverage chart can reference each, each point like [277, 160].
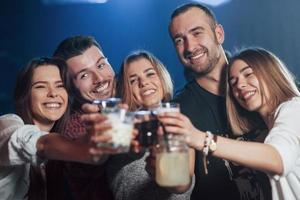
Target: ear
[219, 32]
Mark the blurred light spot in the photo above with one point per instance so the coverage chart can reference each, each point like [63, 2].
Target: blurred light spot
[49, 2]
[213, 2]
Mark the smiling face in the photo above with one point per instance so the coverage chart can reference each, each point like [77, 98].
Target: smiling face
[92, 75]
[246, 88]
[145, 83]
[197, 40]
[49, 98]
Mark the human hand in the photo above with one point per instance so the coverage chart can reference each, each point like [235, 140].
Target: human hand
[135, 144]
[96, 125]
[177, 123]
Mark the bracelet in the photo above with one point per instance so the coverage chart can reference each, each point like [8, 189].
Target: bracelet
[213, 144]
[205, 150]
[210, 145]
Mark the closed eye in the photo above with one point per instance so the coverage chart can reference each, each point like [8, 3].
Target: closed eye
[60, 85]
[248, 74]
[197, 33]
[39, 86]
[150, 74]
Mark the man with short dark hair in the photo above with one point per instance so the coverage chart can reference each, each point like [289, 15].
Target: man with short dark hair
[92, 77]
[198, 39]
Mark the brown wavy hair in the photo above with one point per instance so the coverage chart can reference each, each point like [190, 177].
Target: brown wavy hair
[22, 100]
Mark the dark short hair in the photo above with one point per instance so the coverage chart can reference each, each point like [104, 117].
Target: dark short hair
[23, 87]
[74, 46]
[185, 7]
[71, 47]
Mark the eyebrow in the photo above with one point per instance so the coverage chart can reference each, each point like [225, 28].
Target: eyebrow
[190, 31]
[86, 69]
[196, 28]
[145, 71]
[45, 82]
[242, 70]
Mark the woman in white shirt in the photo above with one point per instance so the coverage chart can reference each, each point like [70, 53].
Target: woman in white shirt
[261, 92]
[41, 102]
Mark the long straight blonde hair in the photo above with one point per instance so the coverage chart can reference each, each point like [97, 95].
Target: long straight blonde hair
[269, 70]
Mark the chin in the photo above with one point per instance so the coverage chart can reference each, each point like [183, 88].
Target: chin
[54, 118]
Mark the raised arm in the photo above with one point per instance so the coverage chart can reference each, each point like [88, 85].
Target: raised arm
[20, 144]
[255, 155]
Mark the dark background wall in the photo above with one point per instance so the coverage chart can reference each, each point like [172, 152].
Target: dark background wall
[30, 28]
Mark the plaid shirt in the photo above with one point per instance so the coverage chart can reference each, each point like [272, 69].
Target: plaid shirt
[75, 128]
[83, 181]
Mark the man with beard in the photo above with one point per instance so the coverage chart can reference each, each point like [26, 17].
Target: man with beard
[198, 40]
[92, 77]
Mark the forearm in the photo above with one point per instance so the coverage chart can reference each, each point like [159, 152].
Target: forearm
[250, 154]
[56, 147]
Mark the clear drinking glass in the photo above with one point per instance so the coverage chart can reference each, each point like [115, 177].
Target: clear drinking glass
[122, 125]
[106, 105]
[172, 158]
[168, 107]
[172, 162]
[147, 125]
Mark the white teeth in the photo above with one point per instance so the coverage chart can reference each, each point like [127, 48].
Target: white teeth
[52, 105]
[148, 92]
[197, 56]
[249, 94]
[102, 87]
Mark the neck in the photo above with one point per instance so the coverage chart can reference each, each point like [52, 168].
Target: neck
[215, 80]
[268, 117]
[44, 126]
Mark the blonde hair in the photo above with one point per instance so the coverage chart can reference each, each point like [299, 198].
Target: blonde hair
[123, 83]
[269, 70]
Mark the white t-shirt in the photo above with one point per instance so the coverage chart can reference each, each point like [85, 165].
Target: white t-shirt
[17, 153]
[285, 137]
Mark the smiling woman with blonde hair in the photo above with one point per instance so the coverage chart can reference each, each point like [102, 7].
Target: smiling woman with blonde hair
[128, 82]
[143, 83]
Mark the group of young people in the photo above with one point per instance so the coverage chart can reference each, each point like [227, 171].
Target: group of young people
[238, 116]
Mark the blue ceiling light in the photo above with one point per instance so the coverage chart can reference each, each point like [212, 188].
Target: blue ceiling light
[213, 2]
[61, 2]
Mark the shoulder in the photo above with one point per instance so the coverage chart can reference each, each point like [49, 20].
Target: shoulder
[9, 123]
[185, 92]
[290, 108]
[10, 119]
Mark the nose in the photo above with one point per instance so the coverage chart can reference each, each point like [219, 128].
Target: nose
[189, 44]
[97, 77]
[52, 92]
[143, 82]
[241, 83]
